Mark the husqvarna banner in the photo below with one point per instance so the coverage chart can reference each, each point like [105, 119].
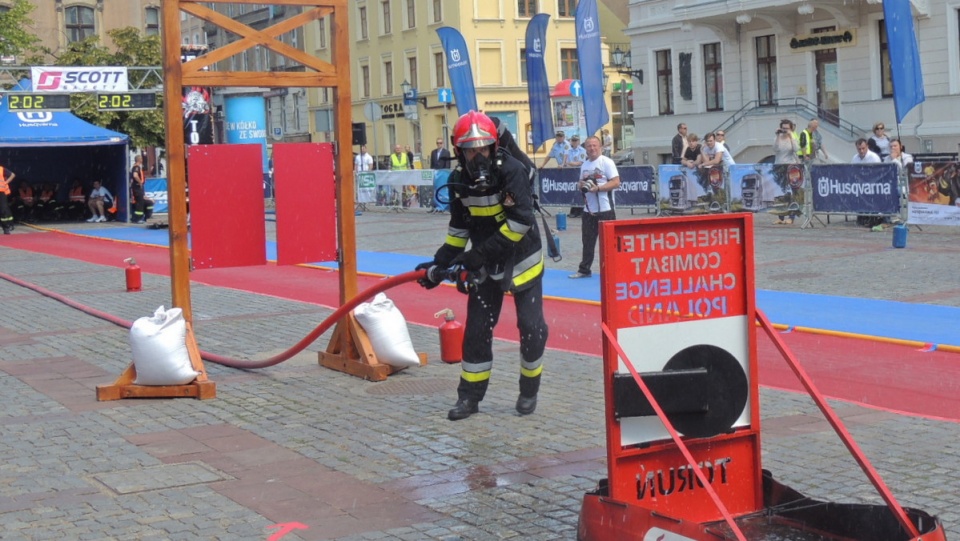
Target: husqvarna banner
[538, 90]
[591, 65]
[458, 67]
[79, 79]
[856, 189]
[559, 187]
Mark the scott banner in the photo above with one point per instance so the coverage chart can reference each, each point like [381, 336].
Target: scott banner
[934, 194]
[559, 187]
[855, 188]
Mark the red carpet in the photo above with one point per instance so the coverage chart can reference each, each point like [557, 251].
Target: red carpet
[887, 376]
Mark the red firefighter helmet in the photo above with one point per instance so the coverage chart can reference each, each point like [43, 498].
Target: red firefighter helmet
[474, 130]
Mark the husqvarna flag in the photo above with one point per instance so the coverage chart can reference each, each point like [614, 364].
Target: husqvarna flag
[458, 67]
[904, 57]
[538, 90]
[591, 65]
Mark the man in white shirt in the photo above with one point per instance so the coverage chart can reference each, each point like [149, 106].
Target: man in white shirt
[99, 200]
[598, 179]
[714, 152]
[363, 161]
[864, 154]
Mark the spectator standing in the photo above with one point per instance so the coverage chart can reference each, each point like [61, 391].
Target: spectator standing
[598, 180]
[399, 160]
[679, 142]
[806, 151]
[785, 145]
[440, 157]
[6, 217]
[99, 200]
[409, 157]
[864, 154]
[557, 151]
[363, 161]
[137, 192]
[898, 155]
[505, 254]
[607, 142]
[879, 143]
[691, 154]
[575, 155]
[714, 153]
[722, 139]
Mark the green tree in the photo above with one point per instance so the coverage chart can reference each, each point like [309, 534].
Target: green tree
[131, 49]
[18, 39]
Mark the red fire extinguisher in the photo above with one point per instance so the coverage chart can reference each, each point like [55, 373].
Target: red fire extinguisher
[134, 281]
[451, 337]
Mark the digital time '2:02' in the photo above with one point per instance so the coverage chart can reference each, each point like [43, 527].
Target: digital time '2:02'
[37, 102]
[126, 101]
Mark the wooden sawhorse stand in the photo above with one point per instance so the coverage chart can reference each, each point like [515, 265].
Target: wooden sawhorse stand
[125, 387]
[353, 354]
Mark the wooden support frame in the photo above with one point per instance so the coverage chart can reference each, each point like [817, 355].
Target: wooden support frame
[200, 388]
[348, 350]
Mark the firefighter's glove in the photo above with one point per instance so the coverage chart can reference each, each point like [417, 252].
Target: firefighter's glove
[471, 260]
[433, 277]
[466, 280]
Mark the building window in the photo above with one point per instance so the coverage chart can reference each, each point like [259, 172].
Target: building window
[523, 65]
[411, 14]
[365, 77]
[526, 8]
[566, 8]
[665, 82]
[79, 22]
[363, 23]
[388, 78]
[322, 33]
[886, 77]
[385, 10]
[437, 11]
[438, 70]
[713, 76]
[767, 70]
[297, 125]
[152, 16]
[569, 64]
[412, 69]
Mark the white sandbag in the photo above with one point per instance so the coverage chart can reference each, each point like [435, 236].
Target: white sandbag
[388, 333]
[159, 346]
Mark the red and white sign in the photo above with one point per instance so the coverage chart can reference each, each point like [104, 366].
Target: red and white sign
[669, 285]
[79, 79]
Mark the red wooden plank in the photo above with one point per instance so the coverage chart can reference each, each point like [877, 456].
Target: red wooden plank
[306, 203]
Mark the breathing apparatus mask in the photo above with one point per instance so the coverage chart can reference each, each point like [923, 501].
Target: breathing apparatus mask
[479, 169]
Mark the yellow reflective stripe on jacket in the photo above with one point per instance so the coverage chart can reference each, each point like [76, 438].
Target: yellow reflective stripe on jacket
[510, 234]
[456, 241]
[492, 210]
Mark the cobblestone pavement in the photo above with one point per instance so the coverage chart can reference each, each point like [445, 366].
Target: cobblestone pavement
[311, 453]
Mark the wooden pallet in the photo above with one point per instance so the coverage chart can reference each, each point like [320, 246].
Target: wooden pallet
[200, 388]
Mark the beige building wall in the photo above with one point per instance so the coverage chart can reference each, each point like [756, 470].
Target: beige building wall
[385, 51]
[50, 18]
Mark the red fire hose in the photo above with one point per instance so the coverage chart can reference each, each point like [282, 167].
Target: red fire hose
[336, 316]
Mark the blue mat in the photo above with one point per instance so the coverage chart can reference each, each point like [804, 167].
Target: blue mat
[917, 322]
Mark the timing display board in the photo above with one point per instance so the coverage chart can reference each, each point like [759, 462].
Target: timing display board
[671, 289]
[37, 101]
[126, 101]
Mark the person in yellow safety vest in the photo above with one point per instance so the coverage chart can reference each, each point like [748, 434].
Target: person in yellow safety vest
[808, 150]
[6, 217]
[398, 160]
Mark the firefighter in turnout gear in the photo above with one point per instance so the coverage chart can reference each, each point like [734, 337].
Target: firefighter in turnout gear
[491, 209]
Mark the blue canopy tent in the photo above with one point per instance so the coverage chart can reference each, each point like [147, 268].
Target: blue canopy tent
[58, 148]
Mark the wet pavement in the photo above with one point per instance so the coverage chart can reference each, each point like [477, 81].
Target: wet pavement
[297, 451]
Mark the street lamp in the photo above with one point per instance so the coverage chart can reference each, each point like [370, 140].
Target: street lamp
[410, 98]
[622, 64]
[410, 92]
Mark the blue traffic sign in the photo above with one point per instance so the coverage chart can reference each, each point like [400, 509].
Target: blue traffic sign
[576, 89]
[444, 95]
